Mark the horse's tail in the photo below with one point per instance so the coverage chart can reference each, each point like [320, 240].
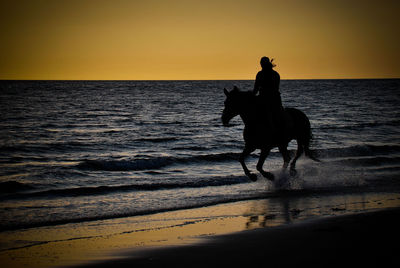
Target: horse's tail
[309, 136]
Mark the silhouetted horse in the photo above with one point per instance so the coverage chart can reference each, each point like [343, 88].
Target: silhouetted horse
[258, 133]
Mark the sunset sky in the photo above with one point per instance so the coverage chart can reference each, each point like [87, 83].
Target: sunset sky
[198, 39]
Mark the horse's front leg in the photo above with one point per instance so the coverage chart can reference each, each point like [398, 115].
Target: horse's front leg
[242, 157]
[261, 160]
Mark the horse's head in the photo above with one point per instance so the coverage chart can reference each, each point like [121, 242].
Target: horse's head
[232, 105]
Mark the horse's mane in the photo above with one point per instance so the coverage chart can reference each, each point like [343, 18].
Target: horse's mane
[246, 95]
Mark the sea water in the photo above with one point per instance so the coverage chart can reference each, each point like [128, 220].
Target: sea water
[79, 151]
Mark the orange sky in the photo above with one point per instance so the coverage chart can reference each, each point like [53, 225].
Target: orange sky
[198, 39]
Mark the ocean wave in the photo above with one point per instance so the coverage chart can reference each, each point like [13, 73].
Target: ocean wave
[153, 163]
[101, 190]
[358, 126]
[359, 150]
[191, 148]
[13, 187]
[38, 147]
[126, 165]
[158, 140]
[370, 161]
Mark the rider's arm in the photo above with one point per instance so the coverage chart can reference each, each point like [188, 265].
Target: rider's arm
[256, 86]
[277, 79]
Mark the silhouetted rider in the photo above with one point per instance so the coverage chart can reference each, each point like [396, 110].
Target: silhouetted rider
[267, 85]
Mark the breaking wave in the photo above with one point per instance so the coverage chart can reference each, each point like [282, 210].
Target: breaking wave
[101, 190]
[152, 163]
[376, 154]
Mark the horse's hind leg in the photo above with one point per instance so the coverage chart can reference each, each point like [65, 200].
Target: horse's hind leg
[299, 152]
[285, 155]
[261, 160]
[242, 157]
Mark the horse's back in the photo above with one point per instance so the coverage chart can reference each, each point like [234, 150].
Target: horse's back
[297, 114]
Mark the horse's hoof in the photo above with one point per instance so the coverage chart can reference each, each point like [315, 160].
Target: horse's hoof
[269, 176]
[252, 177]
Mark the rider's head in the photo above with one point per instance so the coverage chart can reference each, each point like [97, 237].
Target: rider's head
[266, 63]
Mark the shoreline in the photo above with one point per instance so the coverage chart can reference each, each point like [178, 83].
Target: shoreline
[361, 239]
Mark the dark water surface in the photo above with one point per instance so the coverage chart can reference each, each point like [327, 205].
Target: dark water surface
[73, 151]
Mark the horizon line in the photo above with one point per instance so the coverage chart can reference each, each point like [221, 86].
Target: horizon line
[247, 79]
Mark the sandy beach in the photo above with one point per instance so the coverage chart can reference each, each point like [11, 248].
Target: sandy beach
[358, 239]
[307, 228]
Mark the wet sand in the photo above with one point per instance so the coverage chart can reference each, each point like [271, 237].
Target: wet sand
[370, 238]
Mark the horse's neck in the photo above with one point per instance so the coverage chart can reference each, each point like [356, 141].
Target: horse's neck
[247, 118]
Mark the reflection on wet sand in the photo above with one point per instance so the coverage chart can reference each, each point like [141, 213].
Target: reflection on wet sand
[285, 210]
